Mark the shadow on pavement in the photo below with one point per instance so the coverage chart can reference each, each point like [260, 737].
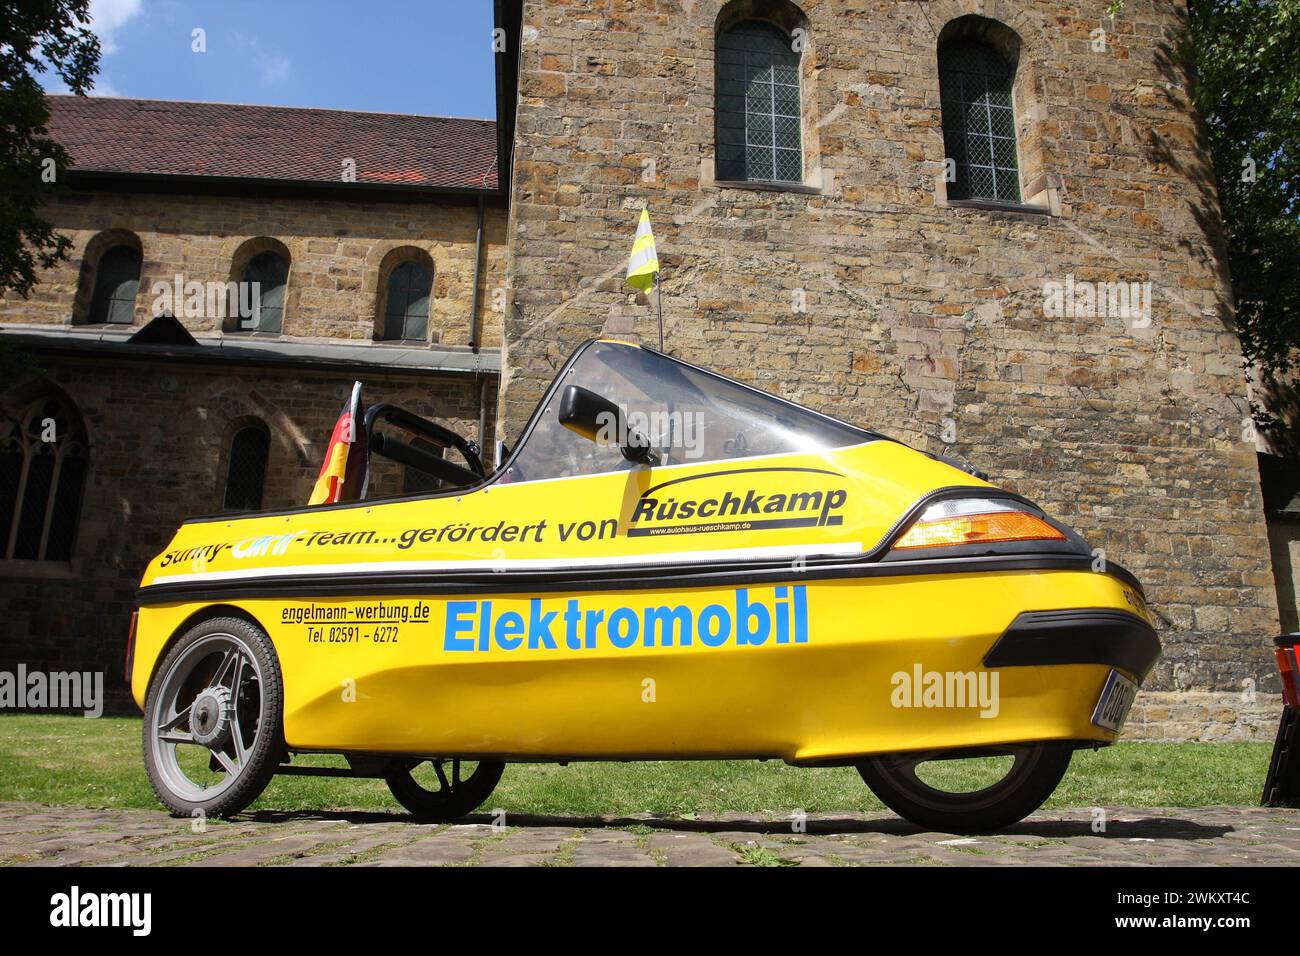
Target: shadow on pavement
[1121, 824]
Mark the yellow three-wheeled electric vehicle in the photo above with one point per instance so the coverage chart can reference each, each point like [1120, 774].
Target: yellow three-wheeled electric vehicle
[669, 565]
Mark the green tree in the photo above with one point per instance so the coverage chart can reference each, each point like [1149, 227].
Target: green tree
[35, 36]
[1247, 59]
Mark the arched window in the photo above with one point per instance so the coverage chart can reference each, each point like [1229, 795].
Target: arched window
[759, 123]
[43, 465]
[117, 280]
[406, 302]
[246, 471]
[979, 124]
[270, 271]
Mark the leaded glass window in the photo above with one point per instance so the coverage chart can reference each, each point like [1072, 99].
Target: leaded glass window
[759, 127]
[246, 470]
[979, 124]
[406, 306]
[43, 467]
[117, 280]
[270, 271]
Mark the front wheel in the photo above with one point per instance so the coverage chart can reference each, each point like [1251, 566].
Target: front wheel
[442, 790]
[213, 719]
[968, 791]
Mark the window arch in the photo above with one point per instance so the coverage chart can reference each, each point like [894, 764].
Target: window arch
[759, 124]
[979, 122]
[250, 449]
[268, 272]
[406, 302]
[110, 279]
[117, 280]
[261, 263]
[405, 292]
[44, 460]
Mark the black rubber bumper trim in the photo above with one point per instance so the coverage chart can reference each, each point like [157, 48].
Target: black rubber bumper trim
[1077, 636]
[598, 579]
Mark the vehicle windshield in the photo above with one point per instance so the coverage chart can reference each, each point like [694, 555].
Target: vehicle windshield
[689, 414]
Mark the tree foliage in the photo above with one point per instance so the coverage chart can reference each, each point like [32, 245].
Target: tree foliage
[1247, 59]
[36, 36]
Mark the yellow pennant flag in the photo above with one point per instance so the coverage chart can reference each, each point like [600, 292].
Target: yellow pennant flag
[644, 261]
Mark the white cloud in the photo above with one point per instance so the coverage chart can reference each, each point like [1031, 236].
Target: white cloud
[104, 88]
[275, 69]
[107, 17]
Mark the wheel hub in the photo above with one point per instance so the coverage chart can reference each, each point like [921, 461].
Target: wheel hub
[210, 717]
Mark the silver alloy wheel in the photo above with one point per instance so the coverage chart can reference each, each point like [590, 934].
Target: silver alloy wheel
[210, 700]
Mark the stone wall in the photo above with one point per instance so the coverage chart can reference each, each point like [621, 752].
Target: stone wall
[335, 247]
[1210, 716]
[866, 294]
[159, 437]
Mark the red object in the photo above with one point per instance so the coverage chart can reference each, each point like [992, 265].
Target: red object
[1286, 663]
[130, 649]
[344, 472]
[121, 135]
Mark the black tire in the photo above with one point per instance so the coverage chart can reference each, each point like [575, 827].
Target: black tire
[455, 796]
[252, 708]
[1035, 773]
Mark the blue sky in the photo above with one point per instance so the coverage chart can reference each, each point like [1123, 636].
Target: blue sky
[429, 57]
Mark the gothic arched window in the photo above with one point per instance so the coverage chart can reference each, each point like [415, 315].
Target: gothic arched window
[43, 465]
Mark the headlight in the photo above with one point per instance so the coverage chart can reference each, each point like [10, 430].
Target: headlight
[976, 521]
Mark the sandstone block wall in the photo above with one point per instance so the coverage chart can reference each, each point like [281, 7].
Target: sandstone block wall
[159, 440]
[868, 295]
[335, 247]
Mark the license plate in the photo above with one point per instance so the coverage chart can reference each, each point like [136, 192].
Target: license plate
[1116, 699]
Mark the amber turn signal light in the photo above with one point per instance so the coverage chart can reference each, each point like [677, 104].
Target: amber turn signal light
[978, 529]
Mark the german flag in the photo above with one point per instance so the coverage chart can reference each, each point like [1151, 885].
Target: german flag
[342, 461]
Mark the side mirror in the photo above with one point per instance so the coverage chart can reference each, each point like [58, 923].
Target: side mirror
[597, 419]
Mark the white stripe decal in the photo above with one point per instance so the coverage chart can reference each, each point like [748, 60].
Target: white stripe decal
[847, 549]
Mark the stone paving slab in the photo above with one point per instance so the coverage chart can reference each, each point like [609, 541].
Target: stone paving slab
[36, 835]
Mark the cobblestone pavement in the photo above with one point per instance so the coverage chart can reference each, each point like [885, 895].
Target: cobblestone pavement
[58, 836]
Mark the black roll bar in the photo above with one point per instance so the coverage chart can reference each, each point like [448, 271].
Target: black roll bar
[407, 454]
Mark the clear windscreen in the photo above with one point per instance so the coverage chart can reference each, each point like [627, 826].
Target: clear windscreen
[689, 415]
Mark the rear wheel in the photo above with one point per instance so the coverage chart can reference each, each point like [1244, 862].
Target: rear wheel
[441, 790]
[213, 719]
[996, 787]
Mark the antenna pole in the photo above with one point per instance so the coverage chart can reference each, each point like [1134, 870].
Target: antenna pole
[659, 297]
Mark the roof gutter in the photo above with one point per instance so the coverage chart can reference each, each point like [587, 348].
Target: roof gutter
[99, 349]
[508, 15]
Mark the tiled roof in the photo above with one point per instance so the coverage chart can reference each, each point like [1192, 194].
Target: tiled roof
[275, 143]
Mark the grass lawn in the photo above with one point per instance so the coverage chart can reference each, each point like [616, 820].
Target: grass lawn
[97, 763]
